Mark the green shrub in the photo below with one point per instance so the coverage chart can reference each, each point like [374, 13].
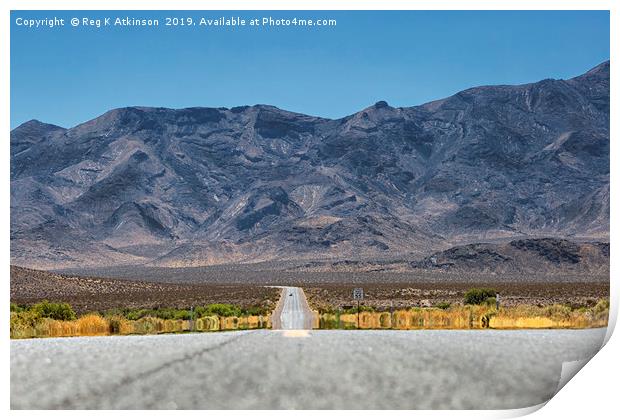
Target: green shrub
[602, 306]
[170, 313]
[162, 313]
[23, 319]
[148, 325]
[52, 310]
[478, 296]
[442, 305]
[362, 308]
[136, 314]
[219, 309]
[329, 310]
[255, 311]
[17, 308]
[490, 301]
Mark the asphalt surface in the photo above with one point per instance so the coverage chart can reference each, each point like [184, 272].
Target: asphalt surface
[292, 312]
[297, 369]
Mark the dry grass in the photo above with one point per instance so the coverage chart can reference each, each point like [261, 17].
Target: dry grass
[461, 317]
[45, 327]
[92, 324]
[555, 316]
[471, 317]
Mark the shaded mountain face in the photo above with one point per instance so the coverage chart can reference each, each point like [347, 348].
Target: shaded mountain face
[202, 186]
[526, 256]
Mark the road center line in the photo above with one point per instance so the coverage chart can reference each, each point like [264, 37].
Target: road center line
[295, 333]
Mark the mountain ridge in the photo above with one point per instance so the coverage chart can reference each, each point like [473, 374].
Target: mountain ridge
[601, 69]
[200, 186]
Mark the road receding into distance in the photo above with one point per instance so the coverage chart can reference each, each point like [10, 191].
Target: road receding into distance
[292, 311]
[297, 368]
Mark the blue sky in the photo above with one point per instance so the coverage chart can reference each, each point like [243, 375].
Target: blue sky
[68, 75]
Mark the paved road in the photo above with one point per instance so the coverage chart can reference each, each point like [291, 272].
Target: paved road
[292, 312]
[297, 369]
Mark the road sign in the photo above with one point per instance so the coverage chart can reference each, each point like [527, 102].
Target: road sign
[358, 294]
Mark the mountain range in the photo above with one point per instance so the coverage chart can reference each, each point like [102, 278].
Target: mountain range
[204, 186]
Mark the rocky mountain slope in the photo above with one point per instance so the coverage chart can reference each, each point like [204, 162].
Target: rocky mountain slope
[200, 186]
[525, 256]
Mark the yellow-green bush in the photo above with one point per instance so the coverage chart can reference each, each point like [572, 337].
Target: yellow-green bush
[473, 317]
[28, 324]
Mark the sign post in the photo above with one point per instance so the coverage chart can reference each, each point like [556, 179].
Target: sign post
[358, 294]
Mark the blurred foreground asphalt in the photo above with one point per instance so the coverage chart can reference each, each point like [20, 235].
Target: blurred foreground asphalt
[297, 369]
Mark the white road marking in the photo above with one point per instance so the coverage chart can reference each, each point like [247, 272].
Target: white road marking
[295, 333]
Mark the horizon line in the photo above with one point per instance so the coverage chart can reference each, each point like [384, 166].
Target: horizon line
[381, 101]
